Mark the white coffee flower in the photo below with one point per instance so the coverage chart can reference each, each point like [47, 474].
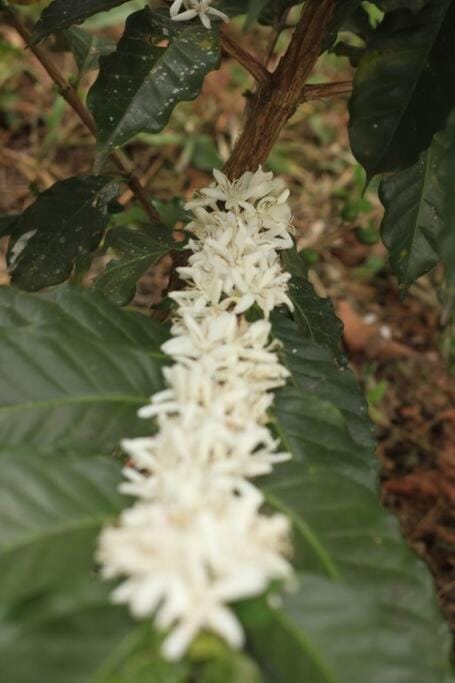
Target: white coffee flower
[226, 345]
[197, 450]
[196, 8]
[184, 564]
[241, 194]
[196, 540]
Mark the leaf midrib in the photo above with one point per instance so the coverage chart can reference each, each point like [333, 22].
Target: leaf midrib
[303, 527]
[306, 531]
[305, 644]
[39, 536]
[68, 400]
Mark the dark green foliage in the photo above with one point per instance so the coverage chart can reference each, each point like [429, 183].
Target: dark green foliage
[74, 371]
[62, 227]
[414, 214]
[52, 508]
[70, 635]
[447, 177]
[365, 608]
[330, 632]
[315, 316]
[140, 84]
[64, 13]
[401, 97]
[134, 252]
[391, 5]
[6, 224]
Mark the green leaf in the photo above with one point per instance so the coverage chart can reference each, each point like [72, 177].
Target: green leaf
[413, 221]
[294, 262]
[63, 13]
[141, 667]
[63, 225]
[134, 252]
[74, 370]
[400, 96]
[392, 5]
[323, 402]
[328, 632]
[7, 224]
[364, 608]
[342, 12]
[72, 635]
[87, 48]
[447, 178]
[83, 313]
[140, 84]
[314, 315]
[51, 511]
[232, 667]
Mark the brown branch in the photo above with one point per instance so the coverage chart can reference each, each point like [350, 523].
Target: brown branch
[73, 99]
[318, 90]
[246, 59]
[276, 101]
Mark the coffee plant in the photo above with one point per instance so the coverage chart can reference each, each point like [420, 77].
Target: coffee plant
[192, 495]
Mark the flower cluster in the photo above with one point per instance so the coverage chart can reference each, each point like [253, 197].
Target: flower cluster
[197, 540]
[196, 8]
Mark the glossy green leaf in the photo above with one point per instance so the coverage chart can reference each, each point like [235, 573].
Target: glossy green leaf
[323, 402]
[74, 370]
[413, 220]
[315, 315]
[400, 96]
[63, 225]
[134, 251]
[330, 632]
[83, 313]
[365, 607]
[140, 84]
[63, 13]
[294, 262]
[51, 511]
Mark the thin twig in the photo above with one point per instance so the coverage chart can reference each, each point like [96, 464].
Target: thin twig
[316, 91]
[73, 99]
[246, 59]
